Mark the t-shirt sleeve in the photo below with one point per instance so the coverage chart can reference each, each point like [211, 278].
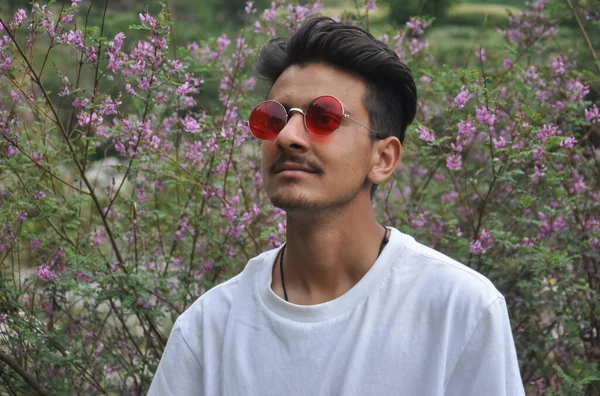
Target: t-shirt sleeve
[179, 372]
[488, 365]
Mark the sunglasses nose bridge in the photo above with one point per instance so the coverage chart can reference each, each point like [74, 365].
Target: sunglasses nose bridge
[296, 110]
[293, 133]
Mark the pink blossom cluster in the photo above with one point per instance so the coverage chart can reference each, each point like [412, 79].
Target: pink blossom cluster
[482, 243]
[530, 24]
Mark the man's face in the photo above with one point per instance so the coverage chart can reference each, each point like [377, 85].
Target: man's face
[339, 162]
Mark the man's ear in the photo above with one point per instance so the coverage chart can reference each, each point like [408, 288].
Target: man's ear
[386, 155]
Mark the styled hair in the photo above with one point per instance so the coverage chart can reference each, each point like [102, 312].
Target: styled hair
[391, 95]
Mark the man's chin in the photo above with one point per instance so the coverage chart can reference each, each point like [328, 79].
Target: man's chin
[294, 204]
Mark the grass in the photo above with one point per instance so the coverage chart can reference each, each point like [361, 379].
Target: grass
[495, 9]
[502, 3]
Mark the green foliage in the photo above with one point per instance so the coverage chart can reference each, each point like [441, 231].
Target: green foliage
[477, 15]
[401, 11]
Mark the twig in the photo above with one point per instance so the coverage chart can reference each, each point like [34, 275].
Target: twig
[585, 36]
[13, 364]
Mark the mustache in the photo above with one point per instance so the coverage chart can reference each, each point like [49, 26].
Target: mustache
[313, 166]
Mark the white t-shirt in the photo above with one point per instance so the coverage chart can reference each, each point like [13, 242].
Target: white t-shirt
[418, 323]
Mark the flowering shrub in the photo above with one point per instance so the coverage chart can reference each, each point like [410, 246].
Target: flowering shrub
[120, 206]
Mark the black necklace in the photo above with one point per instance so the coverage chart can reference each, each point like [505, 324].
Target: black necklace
[384, 242]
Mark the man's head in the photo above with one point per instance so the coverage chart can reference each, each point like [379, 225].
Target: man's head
[377, 90]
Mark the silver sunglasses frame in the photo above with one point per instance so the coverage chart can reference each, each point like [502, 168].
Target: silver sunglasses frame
[303, 112]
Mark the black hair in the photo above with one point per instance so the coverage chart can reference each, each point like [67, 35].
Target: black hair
[391, 94]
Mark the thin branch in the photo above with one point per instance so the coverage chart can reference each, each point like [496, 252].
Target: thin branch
[584, 33]
[13, 364]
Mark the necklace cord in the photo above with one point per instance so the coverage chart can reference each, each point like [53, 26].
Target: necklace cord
[281, 271]
[384, 242]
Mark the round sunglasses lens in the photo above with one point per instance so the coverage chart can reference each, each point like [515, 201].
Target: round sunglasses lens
[267, 120]
[324, 115]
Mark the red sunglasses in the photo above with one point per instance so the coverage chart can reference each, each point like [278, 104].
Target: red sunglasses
[322, 117]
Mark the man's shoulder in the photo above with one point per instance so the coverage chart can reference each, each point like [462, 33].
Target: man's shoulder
[446, 278]
[216, 303]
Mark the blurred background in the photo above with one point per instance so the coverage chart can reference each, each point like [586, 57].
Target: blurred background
[460, 26]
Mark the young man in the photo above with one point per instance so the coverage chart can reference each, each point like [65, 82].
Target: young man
[345, 306]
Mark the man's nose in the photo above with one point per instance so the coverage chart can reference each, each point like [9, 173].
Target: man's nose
[294, 134]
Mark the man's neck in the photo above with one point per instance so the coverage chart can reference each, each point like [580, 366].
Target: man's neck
[325, 256]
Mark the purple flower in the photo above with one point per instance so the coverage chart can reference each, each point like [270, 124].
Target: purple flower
[97, 237]
[370, 5]
[415, 46]
[559, 65]
[506, 63]
[465, 131]
[577, 90]
[484, 117]
[143, 303]
[147, 19]
[11, 150]
[250, 83]
[250, 7]
[21, 216]
[91, 54]
[80, 102]
[269, 15]
[84, 278]
[540, 172]
[7, 63]
[499, 143]
[193, 152]
[538, 387]
[212, 144]
[420, 220]
[34, 243]
[85, 119]
[480, 54]
[449, 196]
[426, 135]
[592, 115]
[190, 124]
[568, 142]
[44, 273]
[481, 244]
[175, 65]
[130, 90]
[228, 213]
[67, 18]
[115, 46]
[417, 26]
[548, 130]
[18, 18]
[76, 38]
[223, 42]
[155, 142]
[462, 98]
[454, 161]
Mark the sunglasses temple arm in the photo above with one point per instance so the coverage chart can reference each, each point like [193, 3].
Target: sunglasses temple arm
[361, 124]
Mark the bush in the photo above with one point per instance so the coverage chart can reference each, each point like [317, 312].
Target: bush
[100, 257]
